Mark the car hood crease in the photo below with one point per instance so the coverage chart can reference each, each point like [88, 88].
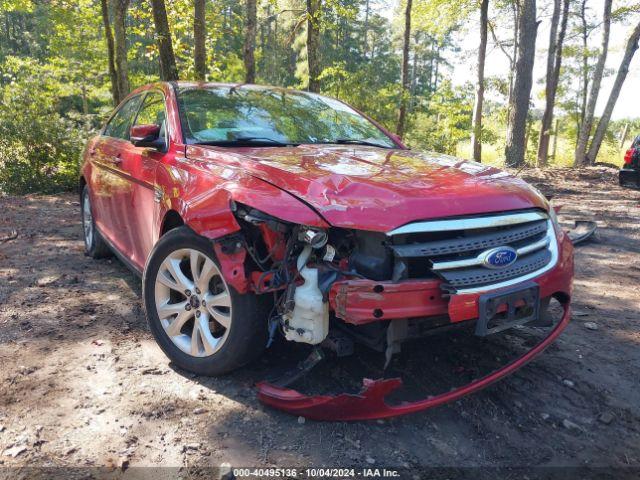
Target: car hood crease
[380, 189]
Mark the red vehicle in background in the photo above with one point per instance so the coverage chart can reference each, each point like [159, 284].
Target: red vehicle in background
[629, 175]
[252, 212]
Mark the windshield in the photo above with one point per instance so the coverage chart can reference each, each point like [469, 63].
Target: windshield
[271, 117]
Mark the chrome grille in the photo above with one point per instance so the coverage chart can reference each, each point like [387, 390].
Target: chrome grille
[469, 244]
[454, 249]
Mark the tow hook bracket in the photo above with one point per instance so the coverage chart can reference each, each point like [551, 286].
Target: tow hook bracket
[396, 333]
[339, 343]
[304, 367]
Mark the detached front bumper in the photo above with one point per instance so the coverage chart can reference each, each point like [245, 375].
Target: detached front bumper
[370, 402]
[361, 301]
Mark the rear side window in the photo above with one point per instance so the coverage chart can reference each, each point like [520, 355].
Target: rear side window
[118, 126]
[153, 112]
[636, 142]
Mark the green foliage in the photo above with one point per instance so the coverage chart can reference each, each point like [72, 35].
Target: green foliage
[55, 88]
[16, 5]
[439, 17]
[445, 121]
[39, 147]
[355, 87]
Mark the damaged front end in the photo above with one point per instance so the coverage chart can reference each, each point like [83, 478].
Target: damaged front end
[334, 287]
[370, 403]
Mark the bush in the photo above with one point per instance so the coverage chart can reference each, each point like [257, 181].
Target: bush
[39, 147]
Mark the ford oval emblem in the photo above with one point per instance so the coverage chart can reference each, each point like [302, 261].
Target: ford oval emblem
[499, 257]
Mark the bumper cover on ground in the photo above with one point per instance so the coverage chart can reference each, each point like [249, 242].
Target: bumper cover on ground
[370, 402]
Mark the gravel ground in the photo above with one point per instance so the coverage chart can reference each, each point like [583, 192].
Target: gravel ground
[84, 385]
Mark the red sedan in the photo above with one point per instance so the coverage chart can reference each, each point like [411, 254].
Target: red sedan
[252, 212]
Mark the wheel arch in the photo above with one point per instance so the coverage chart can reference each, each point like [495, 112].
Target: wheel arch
[81, 183]
[172, 219]
[206, 206]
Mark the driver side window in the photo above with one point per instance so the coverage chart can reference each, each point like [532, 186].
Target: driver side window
[153, 113]
[118, 126]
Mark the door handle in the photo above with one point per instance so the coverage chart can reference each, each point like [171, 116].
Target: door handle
[116, 160]
[157, 195]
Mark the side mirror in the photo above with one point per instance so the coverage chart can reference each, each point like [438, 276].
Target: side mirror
[147, 136]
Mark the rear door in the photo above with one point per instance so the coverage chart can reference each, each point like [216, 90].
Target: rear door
[109, 185]
[140, 166]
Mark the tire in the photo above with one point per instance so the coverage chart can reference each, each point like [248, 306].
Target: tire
[94, 244]
[237, 322]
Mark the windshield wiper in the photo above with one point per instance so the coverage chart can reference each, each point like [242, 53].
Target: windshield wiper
[355, 141]
[251, 141]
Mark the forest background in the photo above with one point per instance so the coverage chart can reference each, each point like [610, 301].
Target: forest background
[518, 83]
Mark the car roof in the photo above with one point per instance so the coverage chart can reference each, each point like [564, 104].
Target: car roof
[196, 84]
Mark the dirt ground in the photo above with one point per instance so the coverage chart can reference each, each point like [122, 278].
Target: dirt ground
[84, 385]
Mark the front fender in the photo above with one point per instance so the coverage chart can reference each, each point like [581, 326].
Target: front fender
[202, 193]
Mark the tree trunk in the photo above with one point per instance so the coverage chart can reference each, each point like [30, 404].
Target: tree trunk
[585, 63]
[168, 69]
[85, 102]
[623, 134]
[547, 116]
[120, 40]
[630, 50]
[556, 130]
[554, 61]
[437, 67]
[515, 5]
[519, 107]
[313, 44]
[113, 76]
[527, 132]
[404, 72]
[199, 39]
[365, 48]
[413, 82]
[476, 137]
[432, 57]
[250, 42]
[596, 78]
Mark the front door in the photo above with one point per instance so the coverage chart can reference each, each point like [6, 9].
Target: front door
[141, 166]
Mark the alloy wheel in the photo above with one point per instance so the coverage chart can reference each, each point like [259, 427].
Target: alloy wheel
[87, 221]
[193, 302]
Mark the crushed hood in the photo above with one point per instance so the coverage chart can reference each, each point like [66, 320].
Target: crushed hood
[380, 189]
